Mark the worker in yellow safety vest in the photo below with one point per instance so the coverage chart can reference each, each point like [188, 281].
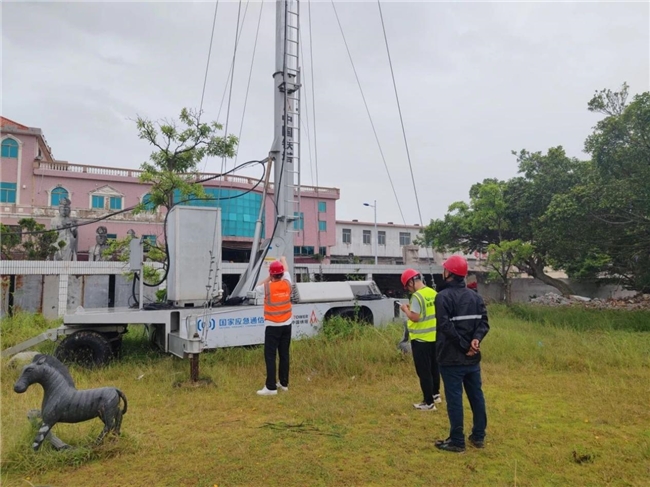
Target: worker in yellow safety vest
[421, 315]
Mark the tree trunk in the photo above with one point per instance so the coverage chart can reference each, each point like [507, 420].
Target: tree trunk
[536, 269]
[507, 288]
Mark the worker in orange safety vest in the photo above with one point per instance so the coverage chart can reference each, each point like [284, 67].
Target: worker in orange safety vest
[278, 316]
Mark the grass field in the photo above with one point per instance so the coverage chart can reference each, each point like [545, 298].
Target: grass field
[567, 392]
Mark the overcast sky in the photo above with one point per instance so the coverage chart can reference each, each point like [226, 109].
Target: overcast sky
[475, 80]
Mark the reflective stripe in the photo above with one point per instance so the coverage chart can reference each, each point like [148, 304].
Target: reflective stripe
[422, 329]
[277, 301]
[275, 313]
[418, 331]
[466, 317]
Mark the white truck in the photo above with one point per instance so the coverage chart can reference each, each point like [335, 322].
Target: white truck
[196, 316]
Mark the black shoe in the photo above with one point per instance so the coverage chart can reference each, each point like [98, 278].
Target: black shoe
[476, 443]
[447, 445]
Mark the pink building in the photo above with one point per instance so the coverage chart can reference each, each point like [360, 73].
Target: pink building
[32, 183]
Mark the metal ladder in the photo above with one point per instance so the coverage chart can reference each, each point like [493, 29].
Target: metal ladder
[291, 88]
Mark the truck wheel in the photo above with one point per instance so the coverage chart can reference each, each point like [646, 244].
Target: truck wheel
[86, 348]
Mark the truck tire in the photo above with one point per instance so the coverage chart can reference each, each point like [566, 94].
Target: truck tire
[86, 348]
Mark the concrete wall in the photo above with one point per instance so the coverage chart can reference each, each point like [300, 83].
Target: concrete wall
[525, 289]
[40, 294]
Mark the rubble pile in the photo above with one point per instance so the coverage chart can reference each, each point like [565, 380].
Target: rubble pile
[639, 301]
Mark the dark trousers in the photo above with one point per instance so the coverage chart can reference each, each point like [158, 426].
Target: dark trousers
[277, 340]
[455, 378]
[426, 366]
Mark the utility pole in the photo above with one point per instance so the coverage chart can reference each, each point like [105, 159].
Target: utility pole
[376, 233]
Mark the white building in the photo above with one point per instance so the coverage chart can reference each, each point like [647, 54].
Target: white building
[355, 242]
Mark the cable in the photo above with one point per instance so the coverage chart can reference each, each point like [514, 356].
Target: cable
[250, 75]
[313, 103]
[401, 119]
[130, 208]
[207, 67]
[383, 158]
[306, 121]
[167, 262]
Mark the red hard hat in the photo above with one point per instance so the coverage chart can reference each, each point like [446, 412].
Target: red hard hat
[456, 265]
[276, 268]
[407, 275]
[472, 285]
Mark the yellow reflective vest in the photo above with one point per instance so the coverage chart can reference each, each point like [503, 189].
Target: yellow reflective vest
[425, 329]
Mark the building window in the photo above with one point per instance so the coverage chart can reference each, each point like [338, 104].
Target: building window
[146, 201]
[239, 209]
[381, 237]
[150, 240]
[404, 238]
[299, 222]
[7, 191]
[367, 237]
[323, 251]
[10, 148]
[57, 195]
[97, 202]
[303, 250]
[322, 206]
[115, 203]
[111, 236]
[347, 235]
[322, 226]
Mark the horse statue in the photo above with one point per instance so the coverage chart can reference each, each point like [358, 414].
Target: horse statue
[63, 403]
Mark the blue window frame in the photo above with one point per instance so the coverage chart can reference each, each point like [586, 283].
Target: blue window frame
[97, 202]
[299, 222]
[111, 236]
[322, 226]
[7, 192]
[322, 206]
[10, 148]
[115, 203]
[57, 195]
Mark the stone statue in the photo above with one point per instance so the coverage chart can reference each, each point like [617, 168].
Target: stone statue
[67, 232]
[64, 403]
[96, 252]
[131, 233]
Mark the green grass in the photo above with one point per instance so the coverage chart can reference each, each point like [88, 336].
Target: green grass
[555, 384]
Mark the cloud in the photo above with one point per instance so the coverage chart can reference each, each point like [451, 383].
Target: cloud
[475, 81]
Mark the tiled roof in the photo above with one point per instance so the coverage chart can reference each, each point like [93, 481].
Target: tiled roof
[5, 122]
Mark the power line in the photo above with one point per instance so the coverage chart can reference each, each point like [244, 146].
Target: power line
[368, 111]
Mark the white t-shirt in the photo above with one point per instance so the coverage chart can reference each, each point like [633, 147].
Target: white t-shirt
[260, 289]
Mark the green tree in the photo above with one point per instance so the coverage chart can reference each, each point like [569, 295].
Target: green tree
[605, 220]
[172, 168]
[543, 177]
[32, 241]
[482, 225]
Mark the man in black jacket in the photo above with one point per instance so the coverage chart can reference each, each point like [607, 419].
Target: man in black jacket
[462, 324]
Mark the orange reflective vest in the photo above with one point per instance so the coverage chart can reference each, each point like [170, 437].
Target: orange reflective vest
[277, 301]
